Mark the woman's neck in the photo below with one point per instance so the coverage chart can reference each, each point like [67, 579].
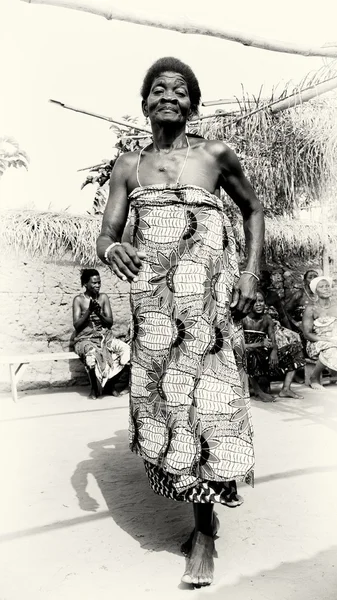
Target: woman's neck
[308, 290]
[256, 316]
[324, 302]
[90, 294]
[168, 139]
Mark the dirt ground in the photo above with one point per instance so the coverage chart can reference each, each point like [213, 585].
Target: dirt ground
[80, 522]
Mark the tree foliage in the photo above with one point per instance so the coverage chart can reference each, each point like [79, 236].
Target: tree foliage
[127, 141]
[11, 155]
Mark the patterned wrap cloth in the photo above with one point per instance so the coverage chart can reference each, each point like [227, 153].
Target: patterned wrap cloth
[325, 350]
[189, 409]
[289, 353]
[97, 344]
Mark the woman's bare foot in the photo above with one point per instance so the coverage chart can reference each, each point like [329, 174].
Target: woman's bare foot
[288, 393]
[121, 393]
[315, 385]
[186, 547]
[200, 564]
[264, 397]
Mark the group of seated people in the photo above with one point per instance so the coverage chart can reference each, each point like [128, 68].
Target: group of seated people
[279, 336]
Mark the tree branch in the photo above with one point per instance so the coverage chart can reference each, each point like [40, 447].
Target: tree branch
[184, 24]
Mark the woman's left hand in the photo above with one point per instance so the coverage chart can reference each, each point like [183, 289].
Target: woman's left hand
[244, 296]
[96, 307]
[273, 360]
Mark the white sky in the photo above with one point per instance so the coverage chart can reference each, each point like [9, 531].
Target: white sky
[87, 61]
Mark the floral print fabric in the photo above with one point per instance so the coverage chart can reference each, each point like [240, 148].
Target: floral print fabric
[325, 349]
[189, 408]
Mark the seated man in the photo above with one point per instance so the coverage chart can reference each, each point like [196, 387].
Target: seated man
[270, 354]
[104, 356]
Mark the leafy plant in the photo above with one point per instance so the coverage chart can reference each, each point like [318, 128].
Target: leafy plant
[127, 141]
[11, 155]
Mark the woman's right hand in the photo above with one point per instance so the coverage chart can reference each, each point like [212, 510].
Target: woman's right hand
[125, 261]
[273, 359]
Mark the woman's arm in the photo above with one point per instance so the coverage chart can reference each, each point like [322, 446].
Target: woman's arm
[308, 324]
[255, 345]
[79, 319]
[105, 314]
[271, 331]
[273, 359]
[293, 301]
[240, 190]
[123, 258]
[278, 304]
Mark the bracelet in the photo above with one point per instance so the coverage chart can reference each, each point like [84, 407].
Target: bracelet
[250, 273]
[110, 248]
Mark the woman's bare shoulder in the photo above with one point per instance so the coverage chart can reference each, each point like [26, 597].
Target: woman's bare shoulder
[103, 296]
[128, 159]
[78, 299]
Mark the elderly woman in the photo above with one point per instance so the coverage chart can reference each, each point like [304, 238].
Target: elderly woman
[189, 411]
[320, 329]
[104, 356]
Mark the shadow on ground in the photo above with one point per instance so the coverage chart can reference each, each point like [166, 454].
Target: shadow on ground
[131, 503]
[314, 578]
[318, 408]
[121, 478]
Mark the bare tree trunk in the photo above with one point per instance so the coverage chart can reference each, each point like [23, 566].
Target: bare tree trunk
[184, 24]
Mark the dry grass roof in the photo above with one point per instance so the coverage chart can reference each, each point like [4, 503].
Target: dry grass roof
[57, 235]
[289, 157]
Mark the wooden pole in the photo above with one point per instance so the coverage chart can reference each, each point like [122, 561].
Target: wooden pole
[289, 102]
[276, 106]
[325, 239]
[98, 116]
[233, 101]
[182, 24]
[305, 95]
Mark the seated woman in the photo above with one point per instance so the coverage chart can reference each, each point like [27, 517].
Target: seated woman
[104, 356]
[300, 299]
[273, 303]
[269, 356]
[320, 329]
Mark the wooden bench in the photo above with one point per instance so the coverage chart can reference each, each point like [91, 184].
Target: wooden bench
[19, 362]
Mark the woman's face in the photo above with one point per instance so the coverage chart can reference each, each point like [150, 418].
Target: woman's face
[168, 100]
[323, 289]
[310, 276]
[259, 304]
[94, 285]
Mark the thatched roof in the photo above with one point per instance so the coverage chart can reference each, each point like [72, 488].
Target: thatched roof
[56, 235]
[52, 235]
[289, 157]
